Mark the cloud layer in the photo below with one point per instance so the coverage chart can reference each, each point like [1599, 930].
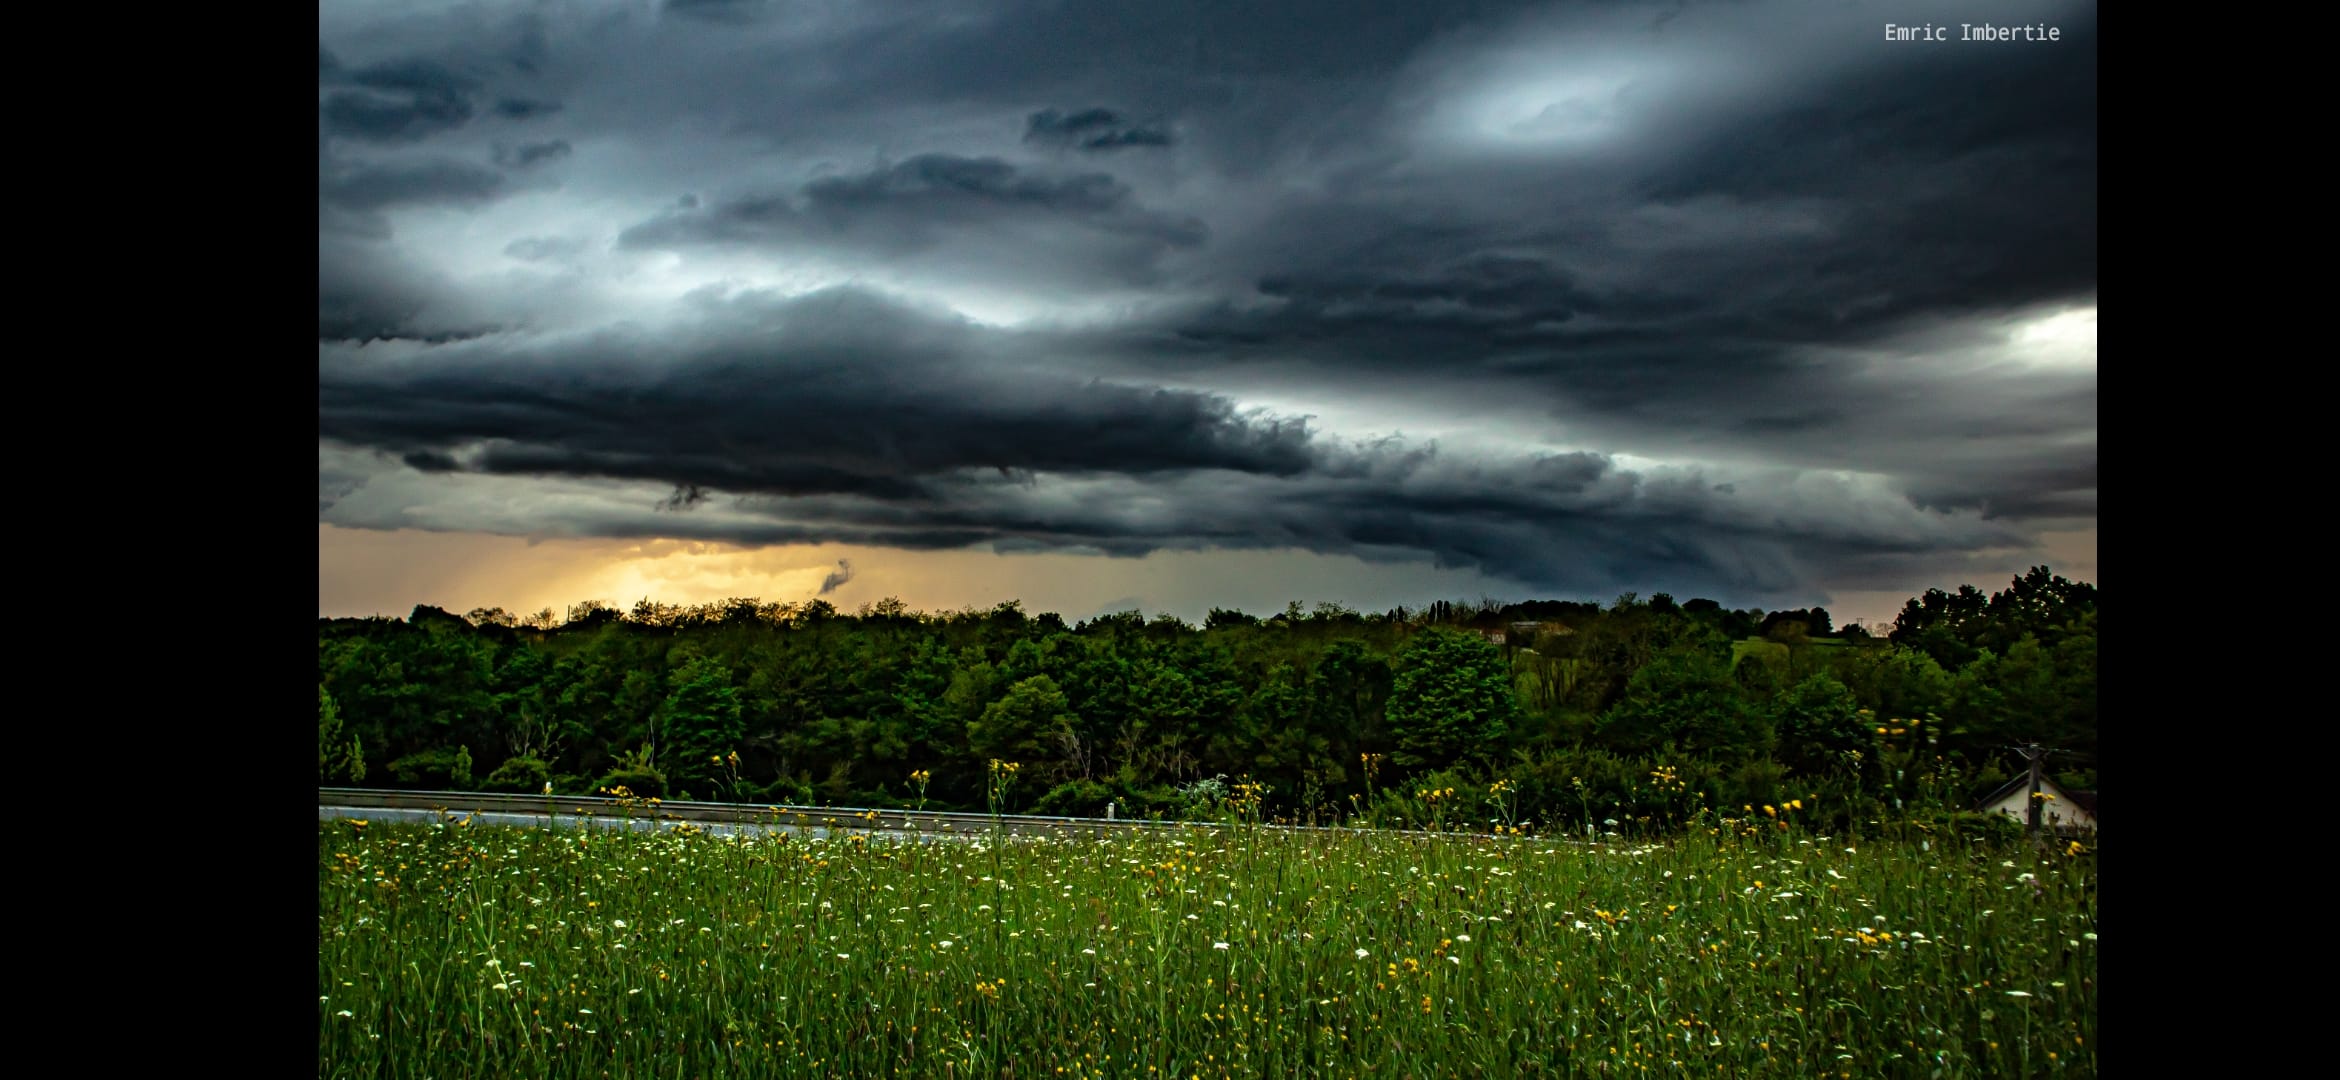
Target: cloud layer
[1734, 299]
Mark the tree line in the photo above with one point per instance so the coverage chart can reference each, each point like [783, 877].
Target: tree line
[1635, 714]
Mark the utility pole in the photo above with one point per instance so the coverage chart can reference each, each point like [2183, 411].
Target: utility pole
[2034, 754]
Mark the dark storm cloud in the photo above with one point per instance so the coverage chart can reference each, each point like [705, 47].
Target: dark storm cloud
[408, 183]
[840, 392]
[394, 101]
[843, 417]
[1092, 129]
[529, 155]
[1730, 293]
[412, 98]
[908, 204]
[370, 288]
[525, 109]
[1486, 293]
[362, 294]
[367, 291]
[717, 11]
[364, 115]
[1967, 181]
[1751, 241]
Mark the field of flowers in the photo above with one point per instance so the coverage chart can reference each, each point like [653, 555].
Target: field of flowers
[1744, 950]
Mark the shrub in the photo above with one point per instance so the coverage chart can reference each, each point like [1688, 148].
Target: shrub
[1075, 798]
[644, 782]
[526, 775]
[789, 791]
[433, 768]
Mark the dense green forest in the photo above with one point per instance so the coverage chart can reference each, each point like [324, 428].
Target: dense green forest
[1637, 713]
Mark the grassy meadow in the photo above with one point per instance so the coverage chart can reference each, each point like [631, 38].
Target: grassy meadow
[1747, 949]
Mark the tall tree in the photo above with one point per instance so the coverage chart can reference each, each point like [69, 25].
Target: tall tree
[1820, 727]
[329, 736]
[1450, 699]
[699, 722]
[1027, 725]
[1685, 698]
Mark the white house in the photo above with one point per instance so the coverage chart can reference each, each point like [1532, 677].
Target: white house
[2060, 810]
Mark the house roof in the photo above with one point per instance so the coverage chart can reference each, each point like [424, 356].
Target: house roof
[2085, 800]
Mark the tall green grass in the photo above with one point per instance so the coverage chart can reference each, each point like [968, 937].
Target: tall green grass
[450, 950]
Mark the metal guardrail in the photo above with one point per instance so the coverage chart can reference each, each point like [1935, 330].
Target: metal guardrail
[824, 817]
[827, 818]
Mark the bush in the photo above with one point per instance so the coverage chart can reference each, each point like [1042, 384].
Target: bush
[1567, 789]
[644, 783]
[525, 775]
[1201, 799]
[1761, 781]
[433, 768]
[789, 791]
[1075, 798]
[1158, 801]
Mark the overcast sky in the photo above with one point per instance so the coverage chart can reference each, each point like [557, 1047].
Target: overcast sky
[1174, 304]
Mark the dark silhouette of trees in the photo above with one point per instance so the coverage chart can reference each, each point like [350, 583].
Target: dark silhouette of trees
[794, 702]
